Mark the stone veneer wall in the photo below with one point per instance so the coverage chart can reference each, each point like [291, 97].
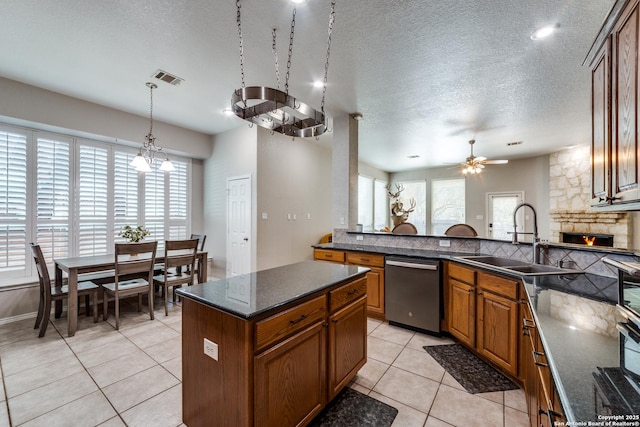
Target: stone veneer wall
[570, 196]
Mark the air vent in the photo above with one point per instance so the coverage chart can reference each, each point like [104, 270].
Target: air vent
[509, 144]
[167, 78]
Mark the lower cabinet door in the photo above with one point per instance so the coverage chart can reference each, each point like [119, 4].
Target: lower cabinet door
[290, 379]
[347, 344]
[461, 314]
[375, 290]
[498, 330]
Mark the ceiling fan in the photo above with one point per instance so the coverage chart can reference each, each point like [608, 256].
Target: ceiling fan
[475, 164]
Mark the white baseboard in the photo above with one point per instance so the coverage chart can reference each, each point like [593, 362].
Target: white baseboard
[19, 317]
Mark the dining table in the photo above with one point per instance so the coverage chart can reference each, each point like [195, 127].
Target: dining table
[76, 266]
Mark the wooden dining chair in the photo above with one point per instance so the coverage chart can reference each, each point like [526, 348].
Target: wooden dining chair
[131, 259]
[179, 261]
[202, 238]
[49, 293]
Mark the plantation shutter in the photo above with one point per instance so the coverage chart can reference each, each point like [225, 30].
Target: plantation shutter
[92, 201]
[125, 191]
[53, 191]
[177, 201]
[13, 202]
[154, 201]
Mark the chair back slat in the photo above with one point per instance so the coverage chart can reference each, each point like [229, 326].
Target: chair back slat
[41, 265]
[201, 239]
[180, 253]
[142, 262]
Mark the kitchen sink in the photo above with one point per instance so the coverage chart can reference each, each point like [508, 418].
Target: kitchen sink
[521, 267]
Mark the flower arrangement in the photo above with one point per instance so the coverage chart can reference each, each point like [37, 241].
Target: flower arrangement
[133, 235]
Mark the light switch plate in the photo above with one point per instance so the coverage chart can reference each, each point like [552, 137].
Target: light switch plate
[445, 243]
[359, 237]
[211, 349]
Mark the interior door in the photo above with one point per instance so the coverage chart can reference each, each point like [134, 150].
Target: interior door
[500, 214]
[239, 238]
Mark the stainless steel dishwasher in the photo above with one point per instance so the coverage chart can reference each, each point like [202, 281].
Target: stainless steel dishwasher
[412, 293]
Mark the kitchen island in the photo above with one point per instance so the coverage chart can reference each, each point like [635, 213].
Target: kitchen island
[271, 347]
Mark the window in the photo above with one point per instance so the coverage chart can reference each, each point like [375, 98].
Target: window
[372, 203]
[415, 192]
[72, 196]
[447, 204]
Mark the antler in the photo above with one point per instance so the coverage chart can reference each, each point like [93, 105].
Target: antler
[395, 195]
[413, 206]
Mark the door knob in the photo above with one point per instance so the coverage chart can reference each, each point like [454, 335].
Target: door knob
[246, 239]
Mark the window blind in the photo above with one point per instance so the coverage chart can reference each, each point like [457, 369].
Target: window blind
[93, 188]
[13, 201]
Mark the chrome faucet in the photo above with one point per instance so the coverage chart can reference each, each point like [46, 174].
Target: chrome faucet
[536, 239]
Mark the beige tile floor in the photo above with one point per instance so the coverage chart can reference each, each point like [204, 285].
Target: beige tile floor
[104, 377]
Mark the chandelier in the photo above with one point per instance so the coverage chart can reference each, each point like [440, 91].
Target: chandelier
[275, 109]
[149, 150]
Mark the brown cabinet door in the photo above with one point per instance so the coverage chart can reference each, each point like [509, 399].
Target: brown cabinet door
[290, 379]
[498, 330]
[625, 147]
[375, 290]
[347, 344]
[527, 366]
[601, 127]
[461, 313]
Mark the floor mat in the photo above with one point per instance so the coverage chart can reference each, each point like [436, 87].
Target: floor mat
[473, 373]
[352, 408]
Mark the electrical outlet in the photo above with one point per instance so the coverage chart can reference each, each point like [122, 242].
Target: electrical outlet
[445, 243]
[295, 217]
[211, 349]
[265, 216]
[308, 216]
[359, 237]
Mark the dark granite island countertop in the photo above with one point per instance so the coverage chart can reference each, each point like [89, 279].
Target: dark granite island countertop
[249, 295]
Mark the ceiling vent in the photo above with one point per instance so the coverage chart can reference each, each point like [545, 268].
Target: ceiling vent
[167, 78]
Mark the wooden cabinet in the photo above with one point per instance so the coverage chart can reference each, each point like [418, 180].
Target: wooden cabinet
[375, 277]
[497, 327]
[615, 84]
[461, 304]
[482, 312]
[279, 369]
[290, 379]
[543, 403]
[347, 344]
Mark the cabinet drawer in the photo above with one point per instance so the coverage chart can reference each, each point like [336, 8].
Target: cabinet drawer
[345, 294]
[328, 255]
[275, 328]
[499, 285]
[463, 274]
[364, 259]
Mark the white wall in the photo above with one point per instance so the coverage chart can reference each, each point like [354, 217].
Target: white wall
[529, 175]
[234, 154]
[294, 178]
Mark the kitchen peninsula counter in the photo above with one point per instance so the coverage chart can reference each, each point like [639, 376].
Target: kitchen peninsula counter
[275, 345]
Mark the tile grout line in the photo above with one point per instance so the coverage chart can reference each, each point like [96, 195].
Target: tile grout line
[6, 397]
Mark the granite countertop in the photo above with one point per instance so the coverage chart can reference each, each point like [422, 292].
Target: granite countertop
[387, 250]
[249, 295]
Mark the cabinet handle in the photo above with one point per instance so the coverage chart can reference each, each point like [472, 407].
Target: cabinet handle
[352, 291]
[602, 199]
[528, 323]
[535, 359]
[293, 322]
[551, 414]
[480, 293]
[328, 255]
[325, 324]
[470, 291]
[364, 259]
[334, 320]
[612, 199]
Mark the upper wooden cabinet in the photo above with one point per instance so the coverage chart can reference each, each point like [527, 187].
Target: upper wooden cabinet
[615, 84]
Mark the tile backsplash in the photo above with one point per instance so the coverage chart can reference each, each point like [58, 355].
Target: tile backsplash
[589, 260]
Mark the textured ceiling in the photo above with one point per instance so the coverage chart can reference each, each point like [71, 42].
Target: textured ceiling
[426, 75]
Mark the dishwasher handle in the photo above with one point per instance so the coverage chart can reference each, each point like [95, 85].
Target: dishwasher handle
[433, 267]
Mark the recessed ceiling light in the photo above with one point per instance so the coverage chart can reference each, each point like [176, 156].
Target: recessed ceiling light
[297, 1]
[542, 32]
[413, 156]
[318, 84]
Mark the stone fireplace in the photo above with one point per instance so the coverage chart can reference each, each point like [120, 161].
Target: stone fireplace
[569, 198]
[617, 224]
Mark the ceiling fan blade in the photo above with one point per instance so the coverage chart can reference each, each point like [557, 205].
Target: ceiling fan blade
[495, 162]
[480, 159]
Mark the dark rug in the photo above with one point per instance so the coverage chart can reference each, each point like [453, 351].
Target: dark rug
[473, 373]
[352, 408]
